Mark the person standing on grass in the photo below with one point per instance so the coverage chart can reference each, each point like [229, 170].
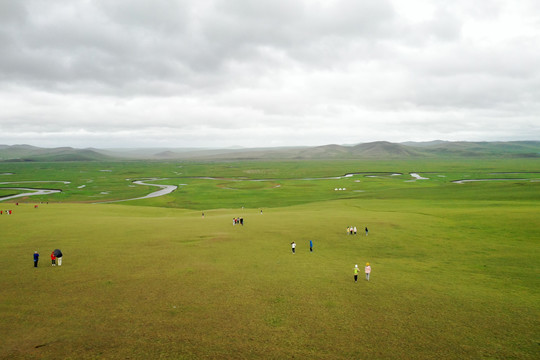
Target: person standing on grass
[293, 246]
[53, 259]
[356, 272]
[36, 258]
[311, 245]
[58, 255]
[368, 271]
[366, 231]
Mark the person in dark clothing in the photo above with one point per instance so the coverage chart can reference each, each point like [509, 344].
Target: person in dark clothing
[58, 255]
[36, 258]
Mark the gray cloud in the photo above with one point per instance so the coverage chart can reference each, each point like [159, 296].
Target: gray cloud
[271, 72]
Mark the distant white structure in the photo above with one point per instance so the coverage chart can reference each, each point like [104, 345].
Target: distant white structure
[418, 177]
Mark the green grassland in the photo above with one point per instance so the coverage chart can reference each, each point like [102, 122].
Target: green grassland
[266, 184]
[455, 266]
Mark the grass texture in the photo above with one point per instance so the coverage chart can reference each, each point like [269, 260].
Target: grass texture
[451, 279]
[454, 266]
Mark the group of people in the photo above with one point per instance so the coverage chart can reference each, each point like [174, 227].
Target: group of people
[351, 230]
[56, 256]
[10, 212]
[367, 270]
[293, 246]
[238, 221]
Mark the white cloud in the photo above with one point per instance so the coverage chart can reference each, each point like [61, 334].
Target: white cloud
[267, 73]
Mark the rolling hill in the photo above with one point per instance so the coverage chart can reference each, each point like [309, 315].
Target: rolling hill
[32, 153]
[372, 150]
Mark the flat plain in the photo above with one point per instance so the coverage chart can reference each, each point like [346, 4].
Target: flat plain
[455, 265]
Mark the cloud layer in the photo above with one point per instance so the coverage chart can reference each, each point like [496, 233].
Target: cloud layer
[267, 73]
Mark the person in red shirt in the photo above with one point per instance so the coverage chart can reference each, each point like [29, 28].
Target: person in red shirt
[53, 259]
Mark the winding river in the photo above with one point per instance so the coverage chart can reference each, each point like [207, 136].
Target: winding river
[33, 190]
[167, 189]
[475, 180]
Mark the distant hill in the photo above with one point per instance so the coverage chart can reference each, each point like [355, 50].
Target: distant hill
[424, 143]
[372, 150]
[464, 148]
[378, 150]
[386, 149]
[32, 153]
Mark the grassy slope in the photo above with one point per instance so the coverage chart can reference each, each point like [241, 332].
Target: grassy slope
[455, 267]
[451, 279]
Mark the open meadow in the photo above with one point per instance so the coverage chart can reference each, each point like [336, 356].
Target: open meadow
[455, 266]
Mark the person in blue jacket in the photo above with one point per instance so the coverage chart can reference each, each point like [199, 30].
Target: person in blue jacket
[311, 245]
[36, 258]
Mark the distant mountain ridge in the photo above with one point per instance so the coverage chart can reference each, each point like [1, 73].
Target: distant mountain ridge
[33, 153]
[371, 150]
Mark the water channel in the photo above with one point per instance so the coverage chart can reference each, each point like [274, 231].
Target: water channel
[167, 189]
[33, 190]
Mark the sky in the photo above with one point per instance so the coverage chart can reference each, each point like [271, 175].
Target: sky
[267, 73]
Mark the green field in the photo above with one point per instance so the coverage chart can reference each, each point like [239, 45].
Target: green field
[455, 266]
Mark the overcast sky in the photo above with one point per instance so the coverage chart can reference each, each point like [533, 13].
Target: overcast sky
[252, 73]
